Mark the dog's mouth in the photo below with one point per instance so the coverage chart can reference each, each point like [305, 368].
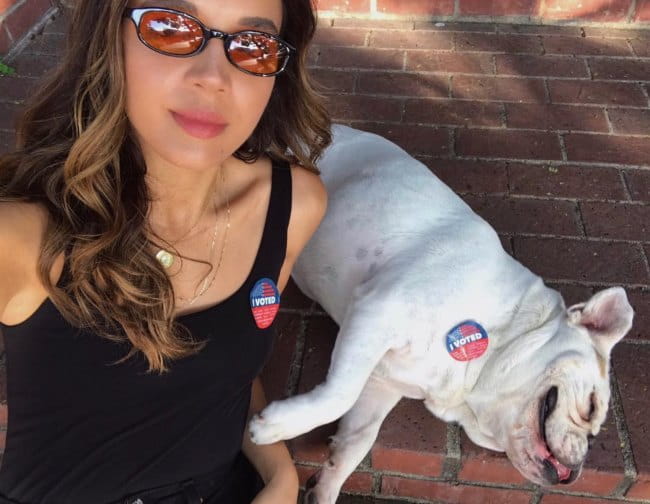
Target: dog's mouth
[554, 471]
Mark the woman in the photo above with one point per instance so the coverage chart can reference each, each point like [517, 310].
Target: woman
[163, 186]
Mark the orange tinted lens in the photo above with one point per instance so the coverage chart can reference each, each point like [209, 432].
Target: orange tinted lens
[170, 32]
[257, 53]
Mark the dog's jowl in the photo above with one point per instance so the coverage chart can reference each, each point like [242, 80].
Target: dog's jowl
[431, 307]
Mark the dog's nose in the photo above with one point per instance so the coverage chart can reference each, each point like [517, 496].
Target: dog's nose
[550, 474]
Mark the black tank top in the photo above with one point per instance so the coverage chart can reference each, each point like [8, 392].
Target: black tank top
[84, 430]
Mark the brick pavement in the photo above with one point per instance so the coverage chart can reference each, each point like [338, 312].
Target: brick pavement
[542, 130]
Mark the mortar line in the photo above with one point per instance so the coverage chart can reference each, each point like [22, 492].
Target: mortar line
[629, 464]
[626, 186]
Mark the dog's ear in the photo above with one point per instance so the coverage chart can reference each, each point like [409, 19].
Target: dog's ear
[607, 316]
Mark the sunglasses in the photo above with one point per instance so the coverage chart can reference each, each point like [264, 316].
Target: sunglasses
[174, 33]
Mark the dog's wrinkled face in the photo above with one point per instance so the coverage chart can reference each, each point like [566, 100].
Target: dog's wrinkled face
[555, 399]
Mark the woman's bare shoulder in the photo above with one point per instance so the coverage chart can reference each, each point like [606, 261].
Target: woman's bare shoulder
[309, 202]
[21, 225]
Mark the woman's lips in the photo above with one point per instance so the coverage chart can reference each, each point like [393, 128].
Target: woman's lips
[199, 124]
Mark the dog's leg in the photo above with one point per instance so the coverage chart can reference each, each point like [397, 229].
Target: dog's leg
[361, 343]
[355, 436]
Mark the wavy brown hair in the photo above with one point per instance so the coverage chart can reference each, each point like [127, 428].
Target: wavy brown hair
[77, 155]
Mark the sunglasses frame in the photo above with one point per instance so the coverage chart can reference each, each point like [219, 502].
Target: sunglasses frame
[135, 14]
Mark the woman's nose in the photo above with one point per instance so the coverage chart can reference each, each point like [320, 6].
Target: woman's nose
[211, 68]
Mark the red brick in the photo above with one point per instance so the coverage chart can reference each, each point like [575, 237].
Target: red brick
[411, 440]
[293, 298]
[448, 494]
[607, 148]
[586, 46]
[369, 108]
[347, 6]
[358, 57]
[630, 121]
[358, 482]
[571, 293]
[639, 183]
[23, 18]
[595, 10]
[407, 461]
[610, 93]
[616, 220]
[608, 32]
[642, 12]
[9, 115]
[511, 216]
[507, 144]
[641, 488]
[572, 499]
[374, 24]
[409, 39]
[414, 139]
[498, 88]
[455, 112]
[46, 43]
[333, 81]
[567, 31]
[5, 40]
[498, 7]
[414, 7]
[276, 372]
[449, 62]
[15, 89]
[556, 117]
[620, 69]
[456, 26]
[641, 47]
[319, 342]
[640, 301]
[581, 260]
[488, 42]
[7, 141]
[35, 65]
[479, 464]
[5, 4]
[541, 66]
[403, 84]
[341, 36]
[584, 182]
[632, 368]
[475, 177]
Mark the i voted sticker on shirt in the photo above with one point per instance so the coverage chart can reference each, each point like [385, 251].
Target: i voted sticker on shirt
[467, 341]
[265, 302]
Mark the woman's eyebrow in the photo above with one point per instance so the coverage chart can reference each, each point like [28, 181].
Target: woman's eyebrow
[190, 8]
[184, 5]
[259, 22]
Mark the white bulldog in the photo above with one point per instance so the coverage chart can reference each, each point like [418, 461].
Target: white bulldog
[431, 307]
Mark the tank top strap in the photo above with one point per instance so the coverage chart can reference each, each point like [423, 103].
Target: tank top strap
[273, 247]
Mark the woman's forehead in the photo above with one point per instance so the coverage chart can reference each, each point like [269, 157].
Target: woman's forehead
[264, 15]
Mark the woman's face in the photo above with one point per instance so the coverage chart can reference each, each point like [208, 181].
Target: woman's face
[161, 91]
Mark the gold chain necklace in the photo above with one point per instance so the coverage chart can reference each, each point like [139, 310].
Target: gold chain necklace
[162, 253]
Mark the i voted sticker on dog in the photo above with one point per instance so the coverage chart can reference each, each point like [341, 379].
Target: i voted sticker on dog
[467, 341]
[265, 302]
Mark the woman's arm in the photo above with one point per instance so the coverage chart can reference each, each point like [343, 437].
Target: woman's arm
[273, 462]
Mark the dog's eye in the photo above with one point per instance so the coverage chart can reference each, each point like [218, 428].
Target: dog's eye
[592, 406]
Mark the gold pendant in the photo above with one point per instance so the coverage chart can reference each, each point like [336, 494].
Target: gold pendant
[165, 258]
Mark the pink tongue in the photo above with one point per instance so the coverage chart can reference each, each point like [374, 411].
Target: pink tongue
[563, 472]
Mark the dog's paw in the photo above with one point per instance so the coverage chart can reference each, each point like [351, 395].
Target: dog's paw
[268, 427]
[310, 494]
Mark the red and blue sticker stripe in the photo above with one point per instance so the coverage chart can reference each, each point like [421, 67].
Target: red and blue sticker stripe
[467, 341]
[265, 302]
